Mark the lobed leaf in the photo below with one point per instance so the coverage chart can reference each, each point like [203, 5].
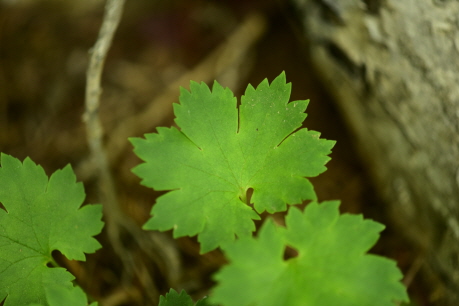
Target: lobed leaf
[222, 152]
[41, 216]
[331, 267]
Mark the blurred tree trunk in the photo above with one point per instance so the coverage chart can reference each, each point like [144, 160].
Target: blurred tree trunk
[393, 67]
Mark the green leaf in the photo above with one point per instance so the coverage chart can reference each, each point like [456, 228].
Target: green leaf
[68, 297]
[172, 298]
[41, 216]
[218, 155]
[331, 267]
[204, 302]
[73, 296]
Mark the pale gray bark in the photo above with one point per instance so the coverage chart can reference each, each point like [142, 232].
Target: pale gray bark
[393, 67]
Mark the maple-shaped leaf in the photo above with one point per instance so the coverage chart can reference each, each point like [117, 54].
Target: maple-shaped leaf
[220, 152]
[41, 216]
[173, 298]
[331, 268]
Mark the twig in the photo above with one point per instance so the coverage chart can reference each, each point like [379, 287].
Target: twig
[413, 270]
[94, 131]
[113, 11]
[106, 185]
[117, 223]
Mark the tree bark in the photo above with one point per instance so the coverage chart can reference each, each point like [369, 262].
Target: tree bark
[393, 67]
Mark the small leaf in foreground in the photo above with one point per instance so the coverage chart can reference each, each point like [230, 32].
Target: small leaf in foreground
[221, 152]
[331, 267]
[41, 216]
[173, 298]
[74, 296]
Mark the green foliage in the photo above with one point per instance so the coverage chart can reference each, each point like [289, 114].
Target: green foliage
[72, 296]
[331, 267]
[208, 167]
[219, 154]
[42, 216]
[173, 298]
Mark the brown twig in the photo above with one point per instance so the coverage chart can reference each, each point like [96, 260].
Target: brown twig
[94, 131]
[113, 11]
[117, 223]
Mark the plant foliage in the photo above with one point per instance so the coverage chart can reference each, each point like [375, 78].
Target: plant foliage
[40, 216]
[331, 267]
[173, 298]
[220, 152]
[209, 166]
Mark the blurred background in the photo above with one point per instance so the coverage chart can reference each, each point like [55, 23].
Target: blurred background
[159, 46]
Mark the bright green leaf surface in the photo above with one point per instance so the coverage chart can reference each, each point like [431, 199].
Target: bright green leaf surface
[72, 296]
[331, 268]
[69, 297]
[219, 154]
[41, 216]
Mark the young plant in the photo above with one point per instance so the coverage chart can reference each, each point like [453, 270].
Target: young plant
[221, 156]
[218, 155]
